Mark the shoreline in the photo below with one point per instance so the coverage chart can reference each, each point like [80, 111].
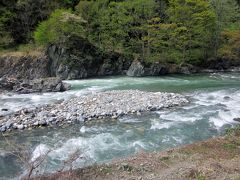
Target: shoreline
[108, 104]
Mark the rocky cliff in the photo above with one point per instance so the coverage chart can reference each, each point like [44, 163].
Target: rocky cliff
[138, 69]
[77, 58]
[24, 66]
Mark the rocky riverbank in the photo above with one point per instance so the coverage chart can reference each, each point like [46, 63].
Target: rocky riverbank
[110, 104]
[33, 86]
[82, 60]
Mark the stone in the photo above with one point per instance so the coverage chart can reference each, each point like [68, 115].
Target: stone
[65, 86]
[68, 116]
[7, 83]
[226, 98]
[81, 118]
[119, 112]
[51, 119]
[42, 122]
[36, 123]
[237, 119]
[20, 127]
[8, 124]
[95, 106]
[90, 61]
[3, 129]
[58, 87]
[136, 69]
[138, 113]
[52, 84]
[114, 117]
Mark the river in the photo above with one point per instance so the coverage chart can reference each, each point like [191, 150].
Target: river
[214, 103]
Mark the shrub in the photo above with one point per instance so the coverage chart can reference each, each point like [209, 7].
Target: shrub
[61, 25]
[230, 45]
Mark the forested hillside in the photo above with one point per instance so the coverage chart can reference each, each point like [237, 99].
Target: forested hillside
[171, 31]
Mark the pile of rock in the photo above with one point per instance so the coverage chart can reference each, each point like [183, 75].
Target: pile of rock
[111, 104]
[32, 86]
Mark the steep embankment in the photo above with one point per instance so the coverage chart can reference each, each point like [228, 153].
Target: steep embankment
[24, 66]
[77, 59]
[216, 158]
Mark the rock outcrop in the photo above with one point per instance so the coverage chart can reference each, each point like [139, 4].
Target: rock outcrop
[79, 59]
[24, 66]
[138, 69]
[33, 86]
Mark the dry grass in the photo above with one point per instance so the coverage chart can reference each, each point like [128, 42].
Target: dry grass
[24, 50]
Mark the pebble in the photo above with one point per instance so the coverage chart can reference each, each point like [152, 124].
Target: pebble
[35, 123]
[3, 129]
[99, 105]
[21, 127]
[237, 119]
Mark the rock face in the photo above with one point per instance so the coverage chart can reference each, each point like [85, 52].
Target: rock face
[80, 59]
[77, 59]
[33, 86]
[138, 69]
[24, 67]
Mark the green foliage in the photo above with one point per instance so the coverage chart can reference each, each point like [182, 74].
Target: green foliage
[117, 26]
[235, 131]
[227, 13]
[70, 3]
[61, 25]
[185, 37]
[5, 36]
[28, 13]
[201, 177]
[194, 30]
[230, 46]
[230, 146]
[227, 17]
[172, 31]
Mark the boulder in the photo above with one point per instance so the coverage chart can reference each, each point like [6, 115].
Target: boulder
[237, 119]
[136, 69]
[155, 69]
[32, 86]
[8, 83]
[65, 87]
[78, 59]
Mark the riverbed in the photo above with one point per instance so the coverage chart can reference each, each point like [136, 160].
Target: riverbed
[214, 103]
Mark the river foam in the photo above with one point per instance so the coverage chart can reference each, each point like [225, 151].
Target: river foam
[223, 105]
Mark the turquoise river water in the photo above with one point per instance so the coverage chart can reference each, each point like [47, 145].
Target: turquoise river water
[214, 103]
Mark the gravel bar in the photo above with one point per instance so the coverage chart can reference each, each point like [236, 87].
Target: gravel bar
[109, 104]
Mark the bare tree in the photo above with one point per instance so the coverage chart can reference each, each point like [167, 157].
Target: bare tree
[23, 154]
